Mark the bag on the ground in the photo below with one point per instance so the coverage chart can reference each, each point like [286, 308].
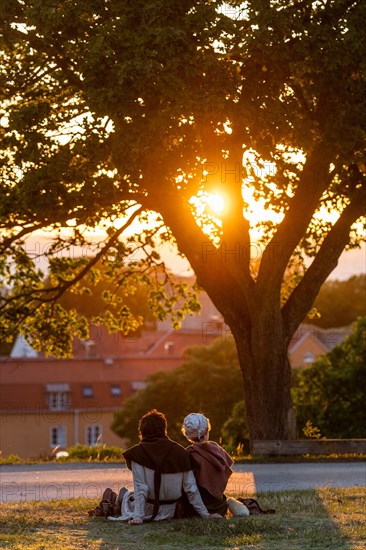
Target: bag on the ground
[108, 506]
[184, 508]
[253, 506]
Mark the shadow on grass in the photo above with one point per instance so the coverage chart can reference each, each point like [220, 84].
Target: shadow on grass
[314, 519]
[304, 519]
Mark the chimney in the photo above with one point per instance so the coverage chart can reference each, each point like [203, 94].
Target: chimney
[169, 348]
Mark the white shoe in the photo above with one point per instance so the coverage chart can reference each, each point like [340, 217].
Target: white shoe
[236, 507]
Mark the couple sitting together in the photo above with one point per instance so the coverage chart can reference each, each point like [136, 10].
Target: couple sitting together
[171, 481]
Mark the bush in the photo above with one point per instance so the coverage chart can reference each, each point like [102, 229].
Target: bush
[235, 431]
[331, 394]
[102, 453]
[10, 459]
[209, 382]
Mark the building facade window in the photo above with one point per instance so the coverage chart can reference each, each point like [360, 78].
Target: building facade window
[138, 385]
[58, 396]
[88, 391]
[58, 401]
[308, 357]
[58, 436]
[93, 435]
[116, 390]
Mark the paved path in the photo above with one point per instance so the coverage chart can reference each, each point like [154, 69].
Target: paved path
[54, 481]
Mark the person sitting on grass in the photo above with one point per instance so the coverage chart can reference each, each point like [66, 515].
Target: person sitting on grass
[212, 467]
[161, 470]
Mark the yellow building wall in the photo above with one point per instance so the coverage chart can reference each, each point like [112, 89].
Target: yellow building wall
[28, 434]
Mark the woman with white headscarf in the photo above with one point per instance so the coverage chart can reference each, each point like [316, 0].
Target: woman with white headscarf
[212, 467]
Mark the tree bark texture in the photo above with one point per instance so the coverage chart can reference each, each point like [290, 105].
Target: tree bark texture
[266, 375]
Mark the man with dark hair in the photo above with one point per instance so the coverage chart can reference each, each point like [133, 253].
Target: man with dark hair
[161, 470]
[152, 423]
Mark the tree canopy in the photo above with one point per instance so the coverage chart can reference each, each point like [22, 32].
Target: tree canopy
[332, 392]
[209, 381]
[340, 303]
[115, 113]
[98, 295]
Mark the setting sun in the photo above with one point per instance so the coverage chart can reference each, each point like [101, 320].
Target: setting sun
[216, 202]
[208, 203]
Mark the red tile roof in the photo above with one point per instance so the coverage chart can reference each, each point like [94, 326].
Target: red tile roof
[114, 361]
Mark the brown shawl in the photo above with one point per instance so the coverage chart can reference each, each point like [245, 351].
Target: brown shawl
[162, 455]
[212, 466]
[153, 450]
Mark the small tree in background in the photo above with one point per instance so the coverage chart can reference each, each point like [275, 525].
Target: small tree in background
[331, 394]
[207, 382]
[340, 303]
[235, 430]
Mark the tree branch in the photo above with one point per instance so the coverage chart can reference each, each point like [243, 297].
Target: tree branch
[301, 99]
[41, 45]
[303, 296]
[235, 239]
[208, 261]
[8, 241]
[96, 258]
[332, 13]
[313, 182]
[60, 289]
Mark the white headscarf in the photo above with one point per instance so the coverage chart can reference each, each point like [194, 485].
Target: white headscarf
[195, 425]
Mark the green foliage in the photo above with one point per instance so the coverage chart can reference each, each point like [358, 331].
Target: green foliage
[235, 429]
[100, 291]
[339, 303]
[6, 347]
[332, 392]
[10, 459]
[310, 431]
[97, 453]
[53, 328]
[111, 112]
[209, 381]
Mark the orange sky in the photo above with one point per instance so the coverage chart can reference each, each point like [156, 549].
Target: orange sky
[350, 263]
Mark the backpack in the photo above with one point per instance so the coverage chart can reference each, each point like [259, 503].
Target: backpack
[108, 506]
[253, 506]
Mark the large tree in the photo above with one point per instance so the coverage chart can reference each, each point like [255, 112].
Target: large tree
[116, 109]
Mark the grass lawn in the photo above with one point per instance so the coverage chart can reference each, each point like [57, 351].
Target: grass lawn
[315, 519]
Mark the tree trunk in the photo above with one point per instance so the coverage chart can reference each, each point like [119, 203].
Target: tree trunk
[267, 380]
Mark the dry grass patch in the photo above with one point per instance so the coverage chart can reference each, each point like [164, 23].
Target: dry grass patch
[326, 518]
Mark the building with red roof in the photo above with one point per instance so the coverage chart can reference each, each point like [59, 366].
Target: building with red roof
[49, 403]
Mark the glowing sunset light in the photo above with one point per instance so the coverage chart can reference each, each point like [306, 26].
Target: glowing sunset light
[216, 202]
[214, 205]
[256, 211]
